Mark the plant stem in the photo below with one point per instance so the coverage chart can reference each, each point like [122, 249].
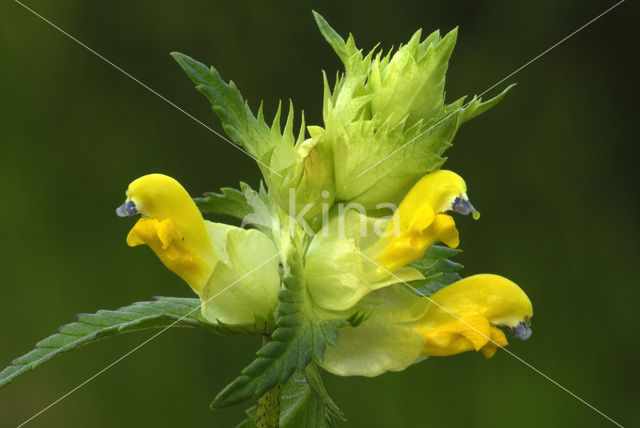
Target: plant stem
[268, 410]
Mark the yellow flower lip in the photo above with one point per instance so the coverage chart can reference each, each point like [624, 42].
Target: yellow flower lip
[468, 314]
[127, 209]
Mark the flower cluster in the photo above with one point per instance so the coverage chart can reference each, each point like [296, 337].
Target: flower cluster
[360, 210]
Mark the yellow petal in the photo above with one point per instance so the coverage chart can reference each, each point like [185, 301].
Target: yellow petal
[455, 337]
[405, 247]
[172, 226]
[167, 243]
[498, 339]
[470, 334]
[493, 297]
[436, 190]
[418, 222]
[464, 316]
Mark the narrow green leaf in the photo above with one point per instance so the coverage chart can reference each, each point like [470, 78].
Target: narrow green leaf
[228, 104]
[329, 408]
[296, 340]
[428, 286]
[247, 423]
[230, 202]
[436, 259]
[437, 269]
[476, 106]
[305, 403]
[357, 318]
[332, 37]
[162, 312]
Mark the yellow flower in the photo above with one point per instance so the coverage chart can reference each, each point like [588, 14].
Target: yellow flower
[401, 328]
[470, 334]
[349, 258]
[463, 316]
[419, 221]
[172, 226]
[234, 271]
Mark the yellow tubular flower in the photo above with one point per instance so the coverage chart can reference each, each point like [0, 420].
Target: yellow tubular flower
[401, 328]
[464, 316]
[419, 222]
[172, 226]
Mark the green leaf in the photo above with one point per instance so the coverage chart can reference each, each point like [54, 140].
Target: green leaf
[230, 202]
[237, 119]
[436, 259]
[162, 312]
[326, 405]
[342, 49]
[296, 340]
[437, 269]
[248, 423]
[305, 403]
[476, 107]
[240, 124]
[286, 161]
[349, 95]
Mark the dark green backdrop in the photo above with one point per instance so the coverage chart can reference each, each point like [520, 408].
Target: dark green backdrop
[553, 169]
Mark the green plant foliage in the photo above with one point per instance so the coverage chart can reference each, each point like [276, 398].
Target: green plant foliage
[286, 159]
[437, 269]
[296, 340]
[229, 201]
[304, 403]
[327, 409]
[396, 100]
[161, 312]
[436, 260]
[245, 129]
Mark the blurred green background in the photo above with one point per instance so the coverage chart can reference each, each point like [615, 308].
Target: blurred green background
[553, 169]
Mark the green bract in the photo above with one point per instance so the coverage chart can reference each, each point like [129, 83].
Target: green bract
[382, 342]
[337, 273]
[245, 282]
[386, 118]
[386, 124]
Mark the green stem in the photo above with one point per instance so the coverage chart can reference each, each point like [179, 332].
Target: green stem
[268, 410]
